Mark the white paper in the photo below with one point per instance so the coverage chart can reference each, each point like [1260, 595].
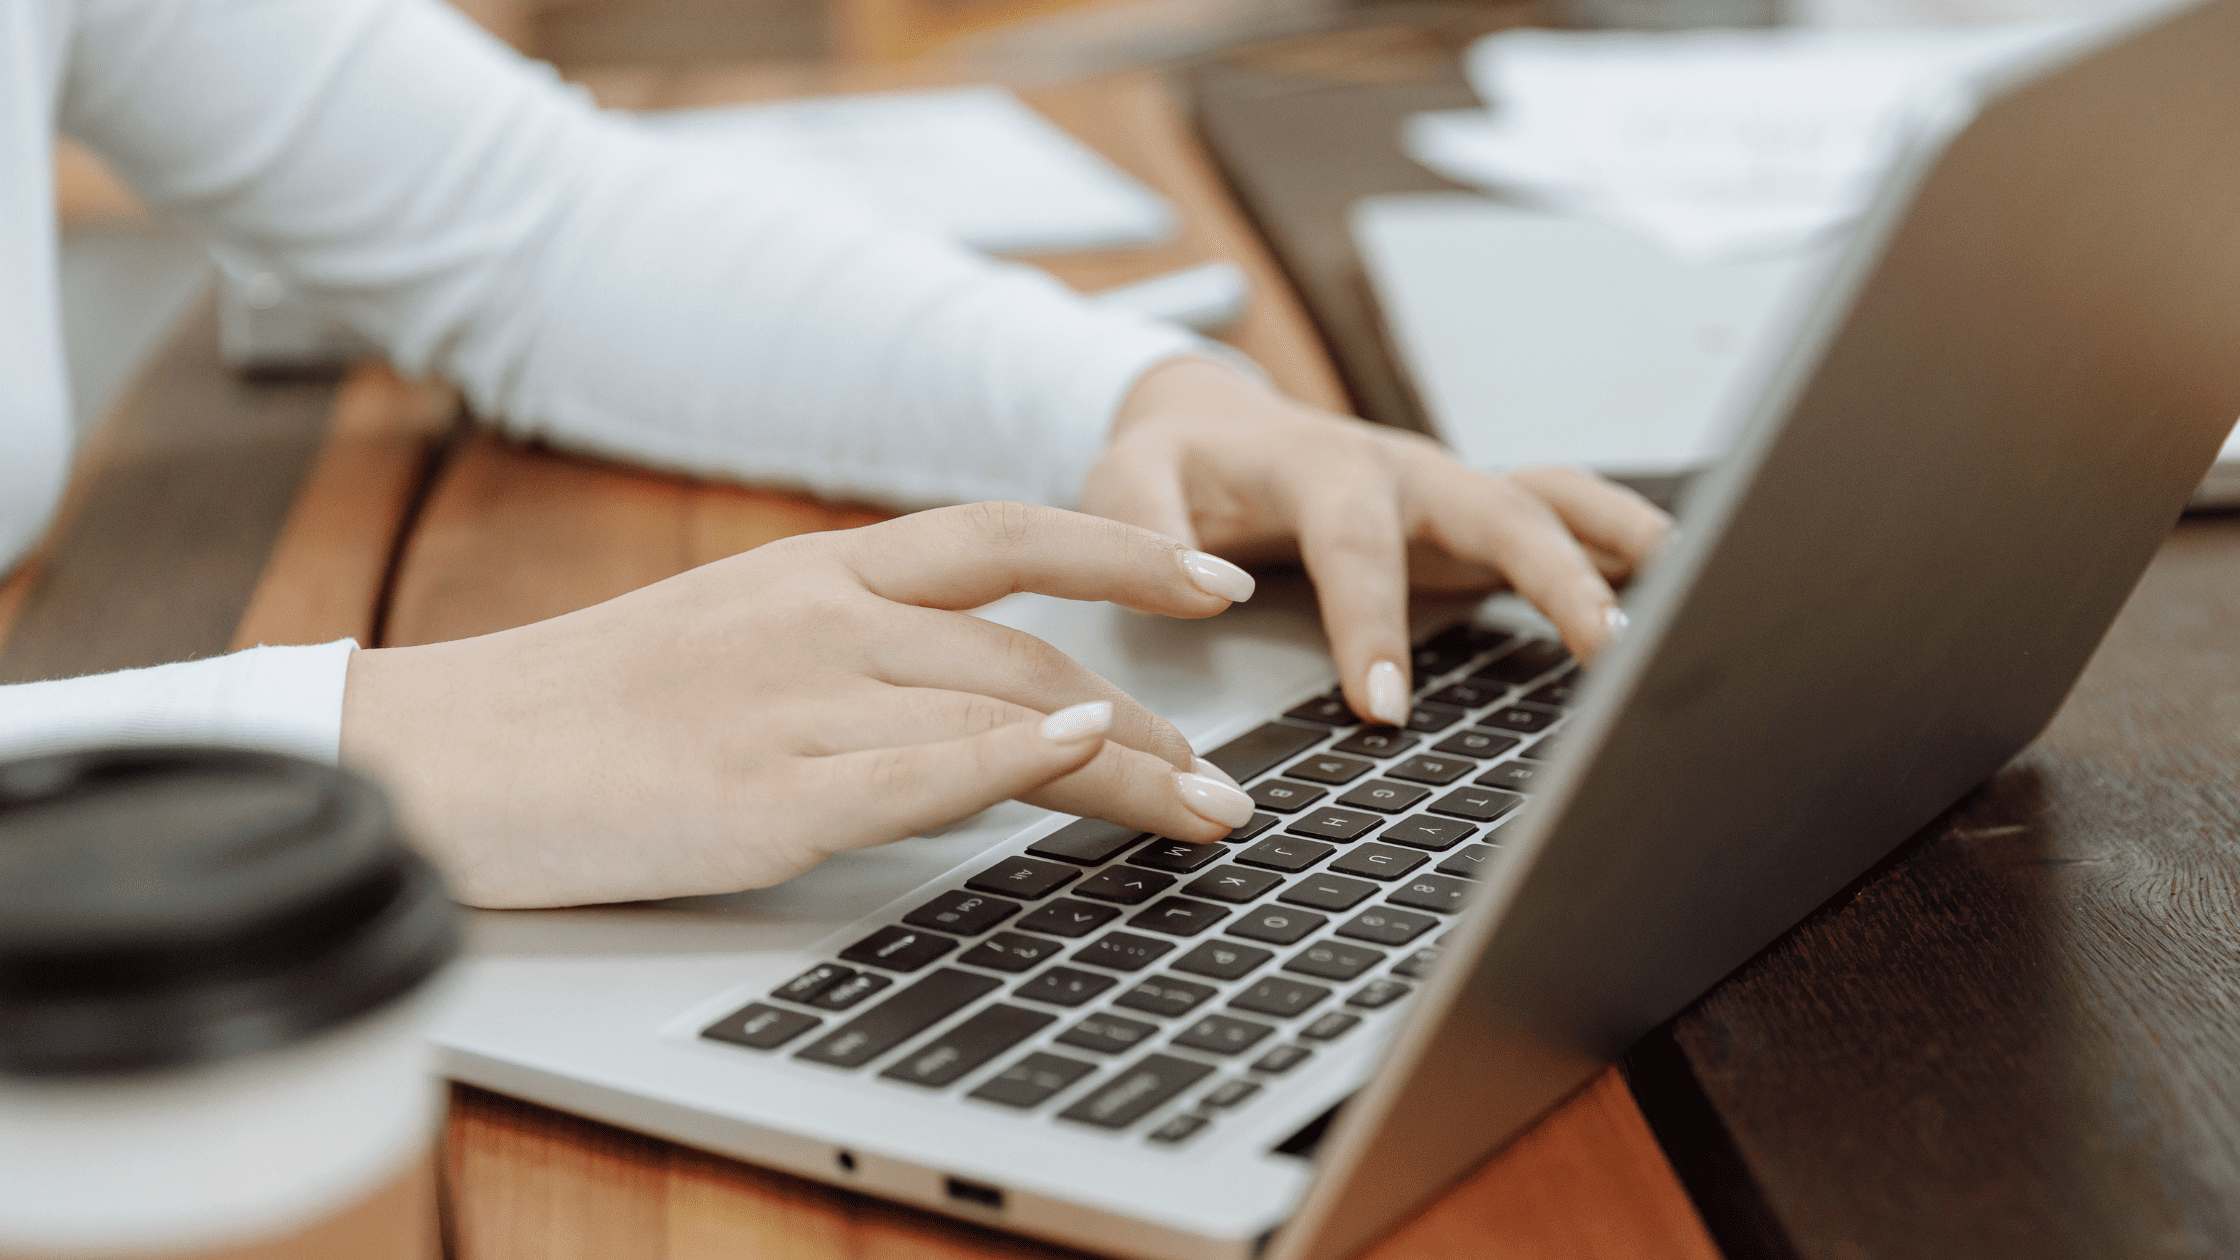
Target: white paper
[975, 164]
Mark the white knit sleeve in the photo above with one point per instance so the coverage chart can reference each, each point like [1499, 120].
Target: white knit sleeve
[278, 699]
[585, 283]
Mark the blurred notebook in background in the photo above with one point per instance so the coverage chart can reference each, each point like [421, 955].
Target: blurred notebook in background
[974, 164]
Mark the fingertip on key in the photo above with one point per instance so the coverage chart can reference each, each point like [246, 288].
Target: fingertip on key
[1213, 800]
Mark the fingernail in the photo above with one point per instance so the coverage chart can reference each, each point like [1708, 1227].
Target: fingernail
[1213, 800]
[1217, 577]
[1615, 621]
[1388, 694]
[1078, 722]
[1212, 771]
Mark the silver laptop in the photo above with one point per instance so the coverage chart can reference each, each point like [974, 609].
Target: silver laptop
[1946, 480]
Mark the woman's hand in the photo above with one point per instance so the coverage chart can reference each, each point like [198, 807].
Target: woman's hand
[1210, 457]
[735, 725]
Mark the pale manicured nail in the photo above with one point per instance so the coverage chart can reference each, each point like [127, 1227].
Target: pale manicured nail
[1388, 694]
[1213, 800]
[1078, 722]
[1212, 771]
[1217, 577]
[1615, 621]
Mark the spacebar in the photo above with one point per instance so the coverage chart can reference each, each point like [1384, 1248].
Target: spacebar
[898, 1019]
[1256, 750]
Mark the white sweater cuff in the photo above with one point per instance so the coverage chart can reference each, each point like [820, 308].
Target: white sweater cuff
[277, 699]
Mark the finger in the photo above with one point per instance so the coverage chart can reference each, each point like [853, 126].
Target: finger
[1494, 521]
[1356, 550]
[1138, 486]
[1611, 520]
[944, 650]
[1121, 784]
[963, 557]
[896, 792]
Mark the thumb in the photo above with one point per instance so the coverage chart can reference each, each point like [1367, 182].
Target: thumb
[897, 792]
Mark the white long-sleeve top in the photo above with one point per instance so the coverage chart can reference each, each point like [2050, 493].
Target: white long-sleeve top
[581, 284]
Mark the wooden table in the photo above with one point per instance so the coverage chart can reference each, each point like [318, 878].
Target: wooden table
[213, 513]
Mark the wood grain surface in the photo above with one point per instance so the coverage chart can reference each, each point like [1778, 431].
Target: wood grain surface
[2021, 1036]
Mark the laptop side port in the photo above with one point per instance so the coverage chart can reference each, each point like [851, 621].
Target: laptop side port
[976, 1194]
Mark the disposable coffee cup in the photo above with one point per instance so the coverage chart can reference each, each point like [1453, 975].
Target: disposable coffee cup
[216, 968]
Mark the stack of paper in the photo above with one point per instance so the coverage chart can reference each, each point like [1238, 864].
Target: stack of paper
[975, 164]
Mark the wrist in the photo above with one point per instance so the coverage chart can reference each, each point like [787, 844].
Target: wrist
[1189, 383]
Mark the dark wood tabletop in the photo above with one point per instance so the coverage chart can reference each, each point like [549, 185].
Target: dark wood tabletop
[2020, 1034]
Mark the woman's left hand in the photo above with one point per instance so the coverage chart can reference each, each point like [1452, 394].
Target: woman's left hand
[1218, 461]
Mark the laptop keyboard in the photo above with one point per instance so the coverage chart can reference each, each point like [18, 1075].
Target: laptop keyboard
[1157, 972]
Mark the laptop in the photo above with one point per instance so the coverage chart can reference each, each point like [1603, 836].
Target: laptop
[1946, 479]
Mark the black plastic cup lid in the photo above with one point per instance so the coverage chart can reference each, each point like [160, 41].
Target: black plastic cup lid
[169, 907]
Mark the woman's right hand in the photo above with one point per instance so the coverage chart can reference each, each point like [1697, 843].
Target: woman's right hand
[737, 724]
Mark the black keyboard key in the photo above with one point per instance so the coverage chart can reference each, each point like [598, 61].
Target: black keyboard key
[1469, 695]
[1229, 1094]
[1224, 1034]
[1543, 749]
[1122, 951]
[1256, 750]
[898, 1019]
[1384, 796]
[1520, 719]
[1274, 995]
[1468, 861]
[1063, 986]
[1330, 1027]
[1512, 776]
[1282, 796]
[1277, 925]
[1558, 694]
[898, 948]
[1442, 652]
[1253, 826]
[1324, 710]
[1477, 804]
[1334, 960]
[1136, 1091]
[1232, 884]
[1177, 1129]
[1422, 831]
[1430, 719]
[1328, 768]
[1437, 771]
[1328, 892]
[1376, 741]
[1377, 993]
[1332, 823]
[1164, 996]
[1379, 861]
[1178, 916]
[1126, 885]
[1109, 1034]
[965, 913]
[1022, 877]
[1067, 917]
[1087, 842]
[760, 1026]
[1283, 853]
[1416, 965]
[950, 1055]
[810, 983]
[1483, 745]
[1535, 658]
[1283, 1058]
[1011, 951]
[1223, 960]
[1174, 855]
[1032, 1081]
[1442, 893]
[1381, 925]
[851, 991]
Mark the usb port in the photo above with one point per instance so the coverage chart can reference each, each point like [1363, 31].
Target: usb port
[974, 1193]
